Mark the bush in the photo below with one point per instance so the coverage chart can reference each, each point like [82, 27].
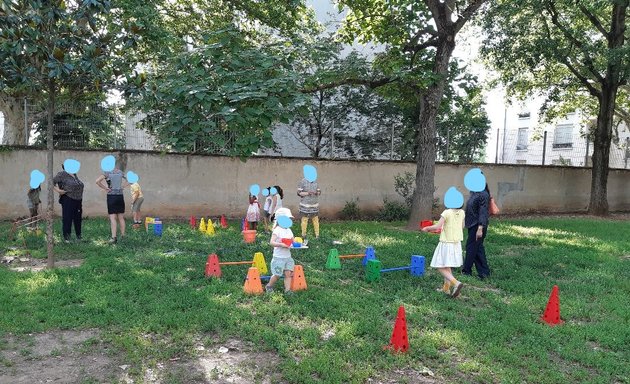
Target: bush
[394, 211]
[404, 185]
[351, 210]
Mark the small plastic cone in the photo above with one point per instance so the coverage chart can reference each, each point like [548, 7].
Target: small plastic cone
[224, 223]
[552, 312]
[213, 268]
[202, 225]
[260, 263]
[210, 228]
[333, 261]
[253, 285]
[298, 283]
[399, 341]
[193, 222]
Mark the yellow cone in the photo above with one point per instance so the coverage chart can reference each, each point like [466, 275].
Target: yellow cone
[210, 229]
[260, 263]
[202, 225]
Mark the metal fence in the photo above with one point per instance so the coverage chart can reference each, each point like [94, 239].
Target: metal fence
[557, 148]
[110, 126]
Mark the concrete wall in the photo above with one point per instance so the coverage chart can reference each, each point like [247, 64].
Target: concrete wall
[184, 185]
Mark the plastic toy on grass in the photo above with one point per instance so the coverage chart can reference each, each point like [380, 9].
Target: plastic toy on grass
[334, 259]
[298, 283]
[374, 270]
[213, 265]
[249, 235]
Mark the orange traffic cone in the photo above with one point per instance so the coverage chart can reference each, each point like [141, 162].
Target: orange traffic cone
[298, 283]
[552, 312]
[399, 341]
[224, 223]
[252, 284]
[213, 268]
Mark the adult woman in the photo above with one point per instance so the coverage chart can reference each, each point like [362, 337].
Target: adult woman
[477, 223]
[276, 202]
[115, 200]
[70, 190]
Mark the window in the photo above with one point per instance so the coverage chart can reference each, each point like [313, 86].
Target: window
[521, 161]
[563, 136]
[523, 115]
[561, 161]
[521, 142]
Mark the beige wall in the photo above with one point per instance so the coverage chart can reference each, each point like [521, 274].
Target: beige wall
[184, 185]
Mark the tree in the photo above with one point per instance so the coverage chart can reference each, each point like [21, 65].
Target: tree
[50, 47]
[567, 50]
[421, 38]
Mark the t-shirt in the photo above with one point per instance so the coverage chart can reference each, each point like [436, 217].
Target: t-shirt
[114, 181]
[452, 231]
[282, 233]
[69, 183]
[308, 204]
[267, 205]
[135, 188]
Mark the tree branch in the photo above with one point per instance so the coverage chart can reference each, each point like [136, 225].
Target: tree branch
[414, 39]
[587, 59]
[432, 42]
[368, 83]
[468, 13]
[594, 20]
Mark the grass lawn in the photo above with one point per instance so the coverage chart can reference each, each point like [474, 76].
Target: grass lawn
[151, 304]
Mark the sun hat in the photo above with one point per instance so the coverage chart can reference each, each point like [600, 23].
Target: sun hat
[284, 212]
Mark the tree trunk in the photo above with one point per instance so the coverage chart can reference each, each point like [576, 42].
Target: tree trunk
[51, 197]
[422, 203]
[601, 153]
[13, 110]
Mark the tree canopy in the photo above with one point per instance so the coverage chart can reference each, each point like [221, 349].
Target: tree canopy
[576, 54]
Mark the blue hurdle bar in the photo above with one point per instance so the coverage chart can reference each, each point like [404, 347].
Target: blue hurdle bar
[395, 269]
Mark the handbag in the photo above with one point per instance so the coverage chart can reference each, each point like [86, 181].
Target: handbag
[493, 208]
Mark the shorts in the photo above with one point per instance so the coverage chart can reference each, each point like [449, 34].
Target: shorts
[266, 214]
[135, 206]
[115, 204]
[281, 264]
[312, 214]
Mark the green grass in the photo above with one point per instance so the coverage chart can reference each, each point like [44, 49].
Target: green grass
[492, 333]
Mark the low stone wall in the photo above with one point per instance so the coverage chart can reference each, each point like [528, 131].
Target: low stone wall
[184, 185]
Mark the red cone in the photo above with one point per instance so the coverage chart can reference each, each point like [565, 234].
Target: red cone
[213, 268]
[224, 223]
[193, 222]
[399, 341]
[552, 312]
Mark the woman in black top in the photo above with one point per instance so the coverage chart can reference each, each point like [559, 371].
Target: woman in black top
[70, 190]
[477, 223]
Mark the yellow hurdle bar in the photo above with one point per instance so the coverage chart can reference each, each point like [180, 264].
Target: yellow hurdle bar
[236, 262]
[351, 256]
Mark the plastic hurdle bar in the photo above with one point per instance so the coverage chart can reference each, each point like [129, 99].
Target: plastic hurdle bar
[213, 265]
[334, 259]
[374, 270]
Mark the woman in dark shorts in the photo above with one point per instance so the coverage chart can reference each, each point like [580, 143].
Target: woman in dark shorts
[116, 182]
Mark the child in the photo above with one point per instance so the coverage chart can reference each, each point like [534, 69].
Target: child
[282, 262]
[253, 212]
[448, 253]
[33, 202]
[266, 208]
[137, 198]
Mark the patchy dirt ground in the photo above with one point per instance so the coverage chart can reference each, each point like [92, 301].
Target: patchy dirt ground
[26, 263]
[82, 357]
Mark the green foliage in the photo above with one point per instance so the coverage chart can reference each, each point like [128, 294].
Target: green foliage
[404, 185]
[227, 88]
[351, 210]
[148, 298]
[394, 211]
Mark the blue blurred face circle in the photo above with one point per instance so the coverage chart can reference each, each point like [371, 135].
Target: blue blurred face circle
[37, 178]
[474, 180]
[132, 177]
[71, 166]
[254, 189]
[265, 192]
[273, 191]
[310, 173]
[453, 198]
[284, 221]
[108, 163]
